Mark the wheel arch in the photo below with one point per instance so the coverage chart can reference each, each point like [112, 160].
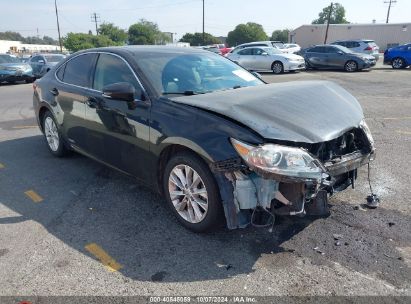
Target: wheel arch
[174, 146]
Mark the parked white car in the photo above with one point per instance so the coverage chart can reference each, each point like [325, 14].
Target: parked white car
[292, 48]
[267, 59]
[365, 46]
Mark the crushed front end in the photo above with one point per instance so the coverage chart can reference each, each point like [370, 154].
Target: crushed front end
[291, 179]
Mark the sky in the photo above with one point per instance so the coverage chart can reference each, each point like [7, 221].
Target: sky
[181, 16]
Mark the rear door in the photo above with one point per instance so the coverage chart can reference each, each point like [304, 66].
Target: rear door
[245, 58]
[118, 132]
[316, 57]
[70, 89]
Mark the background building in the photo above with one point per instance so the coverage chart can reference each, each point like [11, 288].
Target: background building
[385, 35]
[17, 47]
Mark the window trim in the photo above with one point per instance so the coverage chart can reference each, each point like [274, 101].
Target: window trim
[94, 70]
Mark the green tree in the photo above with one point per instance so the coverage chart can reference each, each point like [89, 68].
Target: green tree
[246, 33]
[146, 32]
[14, 36]
[113, 32]
[79, 41]
[280, 35]
[337, 15]
[196, 39]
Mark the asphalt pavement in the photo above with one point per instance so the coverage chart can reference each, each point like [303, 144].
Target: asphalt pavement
[71, 226]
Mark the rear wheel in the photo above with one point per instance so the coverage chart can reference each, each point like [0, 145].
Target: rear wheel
[277, 67]
[351, 66]
[53, 136]
[192, 193]
[398, 63]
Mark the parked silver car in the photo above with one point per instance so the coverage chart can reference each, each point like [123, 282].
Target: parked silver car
[274, 44]
[42, 63]
[267, 59]
[364, 46]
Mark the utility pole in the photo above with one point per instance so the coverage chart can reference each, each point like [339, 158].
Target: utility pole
[390, 2]
[203, 25]
[328, 22]
[58, 25]
[95, 18]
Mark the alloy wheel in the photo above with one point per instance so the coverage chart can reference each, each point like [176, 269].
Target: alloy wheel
[188, 193]
[397, 63]
[52, 135]
[277, 68]
[350, 66]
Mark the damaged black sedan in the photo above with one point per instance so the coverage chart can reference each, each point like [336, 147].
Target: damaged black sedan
[211, 137]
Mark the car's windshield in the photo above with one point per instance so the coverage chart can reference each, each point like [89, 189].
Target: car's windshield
[272, 51]
[9, 59]
[343, 48]
[193, 73]
[278, 45]
[54, 58]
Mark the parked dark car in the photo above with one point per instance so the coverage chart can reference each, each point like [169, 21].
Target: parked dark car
[42, 63]
[211, 137]
[12, 70]
[398, 57]
[336, 57]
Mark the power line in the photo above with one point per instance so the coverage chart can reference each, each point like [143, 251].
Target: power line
[390, 3]
[95, 18]
[203, 25]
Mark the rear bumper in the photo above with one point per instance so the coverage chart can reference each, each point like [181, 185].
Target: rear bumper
[15, 76]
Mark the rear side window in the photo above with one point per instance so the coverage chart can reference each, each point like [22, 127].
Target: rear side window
[317, 49]
[112, 69]
[78, 70]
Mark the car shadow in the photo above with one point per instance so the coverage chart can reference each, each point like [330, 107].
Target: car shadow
[85, 202]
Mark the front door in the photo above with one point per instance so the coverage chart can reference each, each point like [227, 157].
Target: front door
[118, 132]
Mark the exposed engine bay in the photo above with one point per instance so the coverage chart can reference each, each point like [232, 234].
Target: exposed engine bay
[332, 167]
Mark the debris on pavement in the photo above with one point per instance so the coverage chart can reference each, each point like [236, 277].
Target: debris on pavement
[318, 250]
[391, 224]
[337, 236]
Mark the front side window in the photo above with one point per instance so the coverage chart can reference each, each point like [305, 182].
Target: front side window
[112, 69]
[245, 52]
[78, 70]
[37, 59]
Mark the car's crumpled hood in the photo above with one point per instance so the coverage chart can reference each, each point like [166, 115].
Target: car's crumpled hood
[300, 111]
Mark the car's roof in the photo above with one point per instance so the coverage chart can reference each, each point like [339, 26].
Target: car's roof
[362, 40]
[147, 49]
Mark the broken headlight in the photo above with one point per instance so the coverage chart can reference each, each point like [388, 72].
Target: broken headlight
[364, 127]
[280, 160]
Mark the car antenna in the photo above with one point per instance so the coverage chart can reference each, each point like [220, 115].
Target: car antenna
[372, 200]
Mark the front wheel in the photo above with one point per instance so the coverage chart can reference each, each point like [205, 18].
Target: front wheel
[398, 63]
[351, 66]
[277, 67]
[192, 193]
[53, 136]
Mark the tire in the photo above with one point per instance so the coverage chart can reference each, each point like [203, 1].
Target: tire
[398, 63]
[30, 80]
[277, 67]
[53, 137]
[351, 66]
[203, 217]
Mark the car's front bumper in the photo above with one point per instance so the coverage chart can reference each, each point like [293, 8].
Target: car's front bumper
[294, 66]
[8, 76]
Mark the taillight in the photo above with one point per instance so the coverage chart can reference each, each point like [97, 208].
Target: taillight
[368, 48]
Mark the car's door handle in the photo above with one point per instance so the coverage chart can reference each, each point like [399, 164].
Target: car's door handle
[54, 91]
[92, 102]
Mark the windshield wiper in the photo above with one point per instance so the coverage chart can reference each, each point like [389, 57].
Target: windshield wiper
[186, 93]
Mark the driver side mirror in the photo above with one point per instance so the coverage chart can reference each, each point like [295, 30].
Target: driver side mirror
[340, 53]
[119, 91]
[264, 54]
[41, 61]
